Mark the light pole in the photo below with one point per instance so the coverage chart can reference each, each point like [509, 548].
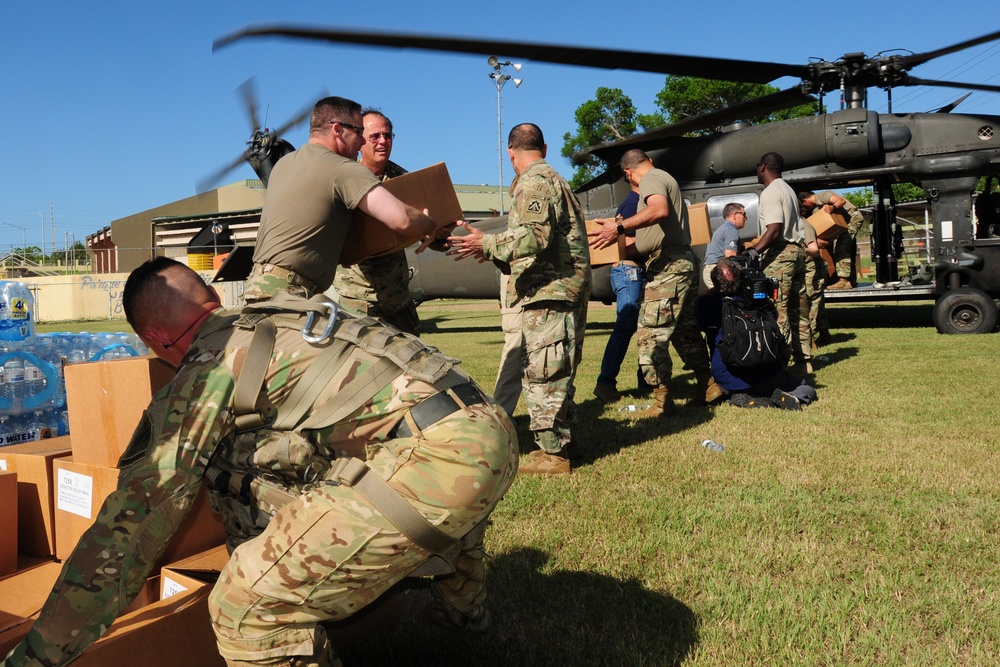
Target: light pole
[499, 79]
[24, 240]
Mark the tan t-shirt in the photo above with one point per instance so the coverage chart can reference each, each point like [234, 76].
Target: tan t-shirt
[310, 200]
[674, 231]
[779, 204]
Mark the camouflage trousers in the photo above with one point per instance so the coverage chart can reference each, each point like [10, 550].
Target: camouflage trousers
[788, 266]
[845, 248]
[816, 274]
[668, 317]
[330, 552]
[379, 287]
[261, 286]
[507, 390]
[552, 335]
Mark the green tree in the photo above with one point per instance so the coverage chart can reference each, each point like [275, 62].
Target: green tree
[684, 97]
[611, 116]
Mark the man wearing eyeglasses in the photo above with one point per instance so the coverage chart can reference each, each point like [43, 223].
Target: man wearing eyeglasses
[725, 241]
[379, 286]
[311, 197]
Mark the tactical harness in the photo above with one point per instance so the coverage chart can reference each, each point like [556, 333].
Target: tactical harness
[348, 339]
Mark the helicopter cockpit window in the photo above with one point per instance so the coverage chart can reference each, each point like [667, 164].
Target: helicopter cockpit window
[749, 200]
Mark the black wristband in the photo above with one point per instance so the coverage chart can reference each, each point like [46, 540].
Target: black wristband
[621, 229]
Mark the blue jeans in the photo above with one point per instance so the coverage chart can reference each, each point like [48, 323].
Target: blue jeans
[627, 281]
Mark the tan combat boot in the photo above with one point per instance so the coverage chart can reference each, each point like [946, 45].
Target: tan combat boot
[541, 462]
[663, 405]
[708, 392]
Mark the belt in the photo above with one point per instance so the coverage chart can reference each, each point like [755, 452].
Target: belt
[435, 408]
[292, 277]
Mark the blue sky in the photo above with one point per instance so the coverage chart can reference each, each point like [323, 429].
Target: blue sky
[112, 108]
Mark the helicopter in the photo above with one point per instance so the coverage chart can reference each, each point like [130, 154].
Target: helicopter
[264, 147]
[946, 154]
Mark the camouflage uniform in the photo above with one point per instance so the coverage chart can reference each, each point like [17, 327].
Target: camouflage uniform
[844, 245]
[328, 551]
[546, 247]
[787, 264]
[379, 286]
[668, 300]
[785, 260]
[266, 280]
[668, 316]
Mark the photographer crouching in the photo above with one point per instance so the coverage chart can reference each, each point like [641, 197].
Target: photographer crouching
[748, 351]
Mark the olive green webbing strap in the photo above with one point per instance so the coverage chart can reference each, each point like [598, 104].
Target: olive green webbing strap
[356, 474]
[251, 378]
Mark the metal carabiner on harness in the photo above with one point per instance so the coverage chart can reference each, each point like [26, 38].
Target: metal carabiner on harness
[331, 313]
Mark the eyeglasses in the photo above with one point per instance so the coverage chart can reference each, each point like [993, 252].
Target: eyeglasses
[186, 331]
[376, 136]
[357, 128]
[743, 213]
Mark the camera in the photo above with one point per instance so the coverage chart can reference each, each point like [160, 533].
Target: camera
[754, 285]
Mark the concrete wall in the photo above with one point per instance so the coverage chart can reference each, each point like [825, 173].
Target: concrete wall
[96, 297]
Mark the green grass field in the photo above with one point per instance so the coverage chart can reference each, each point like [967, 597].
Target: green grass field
[860, 531]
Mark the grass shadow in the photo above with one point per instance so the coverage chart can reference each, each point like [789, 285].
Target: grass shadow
[544, 617]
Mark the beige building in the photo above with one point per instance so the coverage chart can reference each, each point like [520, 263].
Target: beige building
[234, 211]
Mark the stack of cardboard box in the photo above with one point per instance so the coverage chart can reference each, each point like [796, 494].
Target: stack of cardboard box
[50, 494]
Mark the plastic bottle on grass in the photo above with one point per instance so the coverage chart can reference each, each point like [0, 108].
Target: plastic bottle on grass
[712, 446]
[634, 408]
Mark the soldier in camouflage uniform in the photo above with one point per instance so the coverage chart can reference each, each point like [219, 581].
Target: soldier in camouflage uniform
[844, 248]
[313, 542]
[379, 286]
[546, 247]
[782, 254]
[663, 237]
[310, 201]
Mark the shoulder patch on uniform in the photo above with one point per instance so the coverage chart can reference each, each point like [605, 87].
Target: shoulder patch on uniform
[535, 206]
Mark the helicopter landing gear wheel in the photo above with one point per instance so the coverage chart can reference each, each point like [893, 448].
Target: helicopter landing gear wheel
[965, 310]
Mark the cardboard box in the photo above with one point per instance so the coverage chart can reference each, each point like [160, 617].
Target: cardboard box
[8, 522]
[81, 489]
[21, 597]
[167, 633]
[828, 226]
[192, 572]
[429, 188]
[36, 532]
[609, 255]
[105, 400]
[831, 267]
[699, 224]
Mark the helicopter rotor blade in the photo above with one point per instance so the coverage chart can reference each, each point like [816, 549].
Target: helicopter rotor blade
[248, 90]
[948, 108]
[659, 63]
[206, 183]
[758, 106]
[913, 81]
[920, 58]
[302, 114]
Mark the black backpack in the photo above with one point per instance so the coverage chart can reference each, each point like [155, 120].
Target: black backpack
[751, 337]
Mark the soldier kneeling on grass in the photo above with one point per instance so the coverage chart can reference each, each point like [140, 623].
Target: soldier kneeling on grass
[341, 454]
[749, 353]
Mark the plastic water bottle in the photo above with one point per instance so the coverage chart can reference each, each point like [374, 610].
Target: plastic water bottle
[14, 375]
[712, 446]
[632, 407]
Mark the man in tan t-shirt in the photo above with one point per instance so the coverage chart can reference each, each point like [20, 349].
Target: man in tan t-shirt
[663, 237]
[310, 201]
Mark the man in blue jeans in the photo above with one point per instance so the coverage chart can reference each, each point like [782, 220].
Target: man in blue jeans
[627, 280]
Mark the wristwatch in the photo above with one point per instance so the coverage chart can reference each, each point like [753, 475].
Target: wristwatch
[621, 229]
